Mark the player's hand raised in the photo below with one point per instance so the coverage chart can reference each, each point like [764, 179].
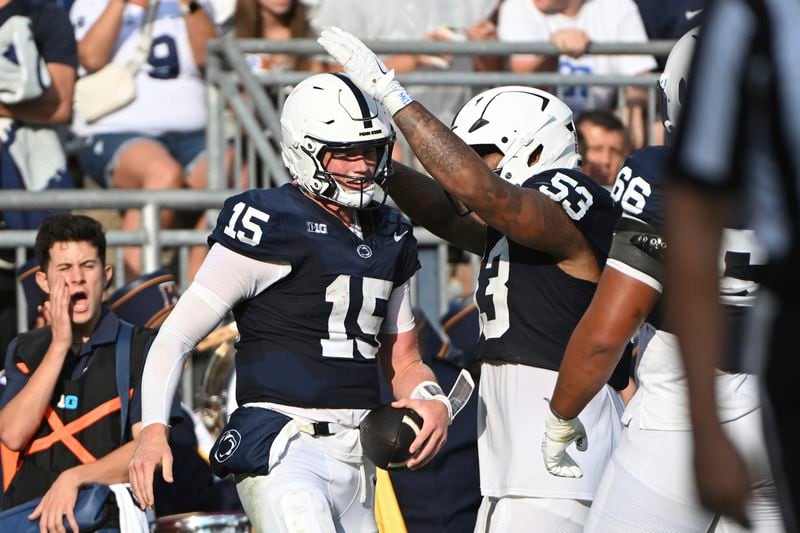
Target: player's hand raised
[153, 451]
[436, 418]
[559, 433]
[365, 69]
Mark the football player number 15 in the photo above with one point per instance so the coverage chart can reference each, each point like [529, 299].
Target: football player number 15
[251, 234]
[343, 343]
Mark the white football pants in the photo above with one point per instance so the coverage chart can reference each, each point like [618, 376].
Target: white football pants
[318, 486]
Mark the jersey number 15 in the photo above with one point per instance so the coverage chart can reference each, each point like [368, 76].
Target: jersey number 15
[252, 232]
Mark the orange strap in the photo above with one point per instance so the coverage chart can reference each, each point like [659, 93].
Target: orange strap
[66, 433]
[22, 367]
[10, 464]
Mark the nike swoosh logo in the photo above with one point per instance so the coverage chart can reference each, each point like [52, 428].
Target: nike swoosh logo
[380, 67]
[692, 14]
[398, 236]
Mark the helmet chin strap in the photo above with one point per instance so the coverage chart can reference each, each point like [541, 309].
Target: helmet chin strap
[333, 191]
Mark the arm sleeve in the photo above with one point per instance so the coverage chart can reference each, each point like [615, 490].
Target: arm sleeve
[176, 413]
[399, 317]
[636, 251]
[225, 279]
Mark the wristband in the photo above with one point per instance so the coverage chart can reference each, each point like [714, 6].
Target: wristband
[430, 390]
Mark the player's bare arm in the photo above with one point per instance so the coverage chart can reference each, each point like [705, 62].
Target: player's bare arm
[618, 308]
[524, 215]
[695, 229]
[427, 203]
[405, 371]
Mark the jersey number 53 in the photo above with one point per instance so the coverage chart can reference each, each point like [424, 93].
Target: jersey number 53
[574, 199]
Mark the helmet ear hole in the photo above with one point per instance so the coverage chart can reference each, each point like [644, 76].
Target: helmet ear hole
[535, 155]
[531, 128]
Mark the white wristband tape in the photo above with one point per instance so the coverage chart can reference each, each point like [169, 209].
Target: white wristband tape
[430, 390]
[391, 94]
[397, 100]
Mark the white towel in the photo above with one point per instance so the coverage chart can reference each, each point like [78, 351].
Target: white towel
[131, 518]
[36, 151]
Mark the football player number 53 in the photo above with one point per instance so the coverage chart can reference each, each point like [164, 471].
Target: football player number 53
[492, 293]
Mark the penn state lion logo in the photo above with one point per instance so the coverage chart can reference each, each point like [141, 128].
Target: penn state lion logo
[228, 444]
[364, 251]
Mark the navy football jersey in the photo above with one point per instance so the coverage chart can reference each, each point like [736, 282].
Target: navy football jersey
[641, 188]
[310, 339]
[528, 305]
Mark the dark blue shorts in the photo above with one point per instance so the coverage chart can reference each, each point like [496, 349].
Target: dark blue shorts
[101, 154]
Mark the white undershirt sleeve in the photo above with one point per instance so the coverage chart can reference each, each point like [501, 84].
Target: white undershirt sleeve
[224, 279]
[399, 316]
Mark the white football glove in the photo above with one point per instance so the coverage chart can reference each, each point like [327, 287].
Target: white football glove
[23, 73]
[559, 433]
[365, 69]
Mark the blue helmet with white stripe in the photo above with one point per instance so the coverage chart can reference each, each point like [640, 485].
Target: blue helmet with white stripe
[327, 113]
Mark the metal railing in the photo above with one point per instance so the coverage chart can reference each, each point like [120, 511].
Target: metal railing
[152, 240]
[150, 237]
[231, 113]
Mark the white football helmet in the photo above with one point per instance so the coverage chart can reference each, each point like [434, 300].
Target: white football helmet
[327, 112]
[674, 79]
[521, 123]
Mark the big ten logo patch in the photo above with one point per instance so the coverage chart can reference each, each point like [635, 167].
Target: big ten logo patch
[317, 227]
[68, 402]
[169, 292]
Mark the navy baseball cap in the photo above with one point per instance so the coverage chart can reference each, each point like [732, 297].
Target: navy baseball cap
[147, 300]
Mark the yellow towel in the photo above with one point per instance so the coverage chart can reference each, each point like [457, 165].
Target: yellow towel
[387, 510]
